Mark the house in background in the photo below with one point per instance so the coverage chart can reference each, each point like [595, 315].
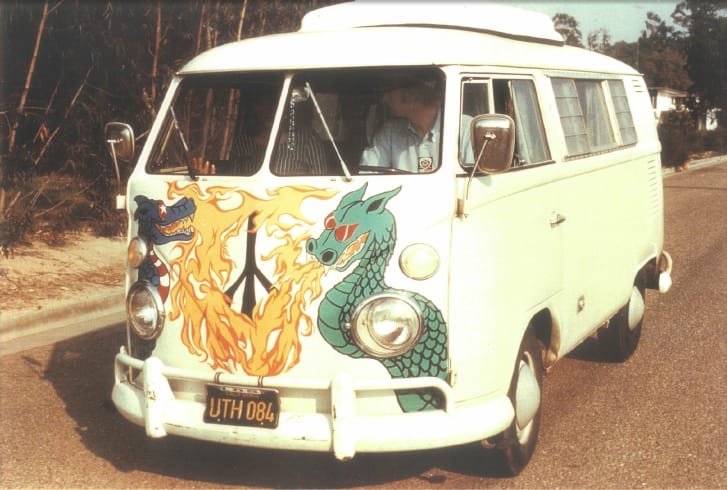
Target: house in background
[665, 99]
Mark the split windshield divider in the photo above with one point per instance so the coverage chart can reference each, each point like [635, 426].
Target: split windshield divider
[190, 163]
[309, 92]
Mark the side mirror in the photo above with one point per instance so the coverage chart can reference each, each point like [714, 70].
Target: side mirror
[120, 138]
[493, 142]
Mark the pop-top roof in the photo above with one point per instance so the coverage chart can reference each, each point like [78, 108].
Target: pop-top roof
[486, 17]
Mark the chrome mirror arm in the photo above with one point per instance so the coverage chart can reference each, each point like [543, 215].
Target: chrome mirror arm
[461, 202]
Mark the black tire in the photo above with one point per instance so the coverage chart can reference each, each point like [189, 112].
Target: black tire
[618, 340]
[517, 444]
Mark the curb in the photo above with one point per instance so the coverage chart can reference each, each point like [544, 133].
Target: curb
[65, 315]
[706, 162]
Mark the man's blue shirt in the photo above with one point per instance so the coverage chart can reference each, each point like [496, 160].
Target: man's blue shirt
[397, 145]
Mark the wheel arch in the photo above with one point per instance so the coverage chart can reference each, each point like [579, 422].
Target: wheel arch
[650, 273]
[547, 331]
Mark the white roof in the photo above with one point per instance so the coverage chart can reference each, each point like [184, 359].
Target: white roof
[423, 34]
[486, 17]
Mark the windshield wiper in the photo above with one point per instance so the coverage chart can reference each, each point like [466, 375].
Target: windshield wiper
[187, 153]
[309, 92]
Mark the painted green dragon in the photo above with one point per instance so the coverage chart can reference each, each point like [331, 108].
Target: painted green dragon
[356, 220]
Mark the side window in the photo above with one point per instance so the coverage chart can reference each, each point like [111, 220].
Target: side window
[475, 97]
[531, 145]
[584, 115]
[516, 98]
[623, 112]
[593, 105]
[571, 116]
[475, 100]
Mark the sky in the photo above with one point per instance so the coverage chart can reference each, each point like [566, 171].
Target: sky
[623, 20]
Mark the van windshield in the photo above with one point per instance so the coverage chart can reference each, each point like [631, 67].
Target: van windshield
[331, 122]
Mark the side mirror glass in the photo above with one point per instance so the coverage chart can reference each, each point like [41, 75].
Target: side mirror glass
[493, 142]
[120, 138]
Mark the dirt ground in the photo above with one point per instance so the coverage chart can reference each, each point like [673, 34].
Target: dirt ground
[39, 275]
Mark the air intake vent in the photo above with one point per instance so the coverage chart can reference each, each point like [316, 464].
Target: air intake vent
[638, 85]
[654, 190]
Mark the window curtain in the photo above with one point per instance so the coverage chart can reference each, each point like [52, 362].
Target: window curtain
[530, 134]
[590, 94]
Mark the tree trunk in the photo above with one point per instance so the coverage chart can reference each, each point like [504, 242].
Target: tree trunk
[23, 98]
[28, 78]
[200, 27]
[155, 60]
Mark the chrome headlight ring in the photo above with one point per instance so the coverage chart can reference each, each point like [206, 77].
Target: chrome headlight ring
[386, 325]
[145, 310]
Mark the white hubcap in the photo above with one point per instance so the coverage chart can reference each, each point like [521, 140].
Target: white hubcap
[636, 308]
[527, 398]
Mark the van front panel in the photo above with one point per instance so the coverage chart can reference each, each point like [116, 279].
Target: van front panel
[282, 264]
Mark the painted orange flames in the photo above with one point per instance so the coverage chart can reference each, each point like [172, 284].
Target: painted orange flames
[268, 343]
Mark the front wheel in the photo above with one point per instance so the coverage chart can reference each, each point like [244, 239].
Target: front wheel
[517, 444]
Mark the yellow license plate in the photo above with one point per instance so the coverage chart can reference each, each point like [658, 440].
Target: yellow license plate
[238, 405]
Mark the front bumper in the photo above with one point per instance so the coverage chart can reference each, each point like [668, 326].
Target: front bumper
[341, 431]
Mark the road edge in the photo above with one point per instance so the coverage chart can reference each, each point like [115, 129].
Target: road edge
[67, 315]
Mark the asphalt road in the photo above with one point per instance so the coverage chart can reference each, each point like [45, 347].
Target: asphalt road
[656, 421]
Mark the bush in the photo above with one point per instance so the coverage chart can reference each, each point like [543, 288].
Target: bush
[679, 138]
[48, 207]
[716, 140]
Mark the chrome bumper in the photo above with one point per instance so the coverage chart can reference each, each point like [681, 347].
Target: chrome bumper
[342, 431]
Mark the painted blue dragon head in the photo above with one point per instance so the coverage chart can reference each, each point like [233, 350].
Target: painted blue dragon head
[162, 223]
[353, 218]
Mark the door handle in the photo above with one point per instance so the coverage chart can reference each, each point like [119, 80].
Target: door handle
[556, 219]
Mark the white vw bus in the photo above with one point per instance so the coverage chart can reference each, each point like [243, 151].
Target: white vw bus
[375, 233]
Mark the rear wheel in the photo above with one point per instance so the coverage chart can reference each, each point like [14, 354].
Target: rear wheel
[621, 337]
[517, 444]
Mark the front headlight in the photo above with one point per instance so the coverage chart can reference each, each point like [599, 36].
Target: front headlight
[145, 310]
[386, 325]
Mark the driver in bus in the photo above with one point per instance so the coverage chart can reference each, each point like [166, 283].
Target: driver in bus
[410, 140]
